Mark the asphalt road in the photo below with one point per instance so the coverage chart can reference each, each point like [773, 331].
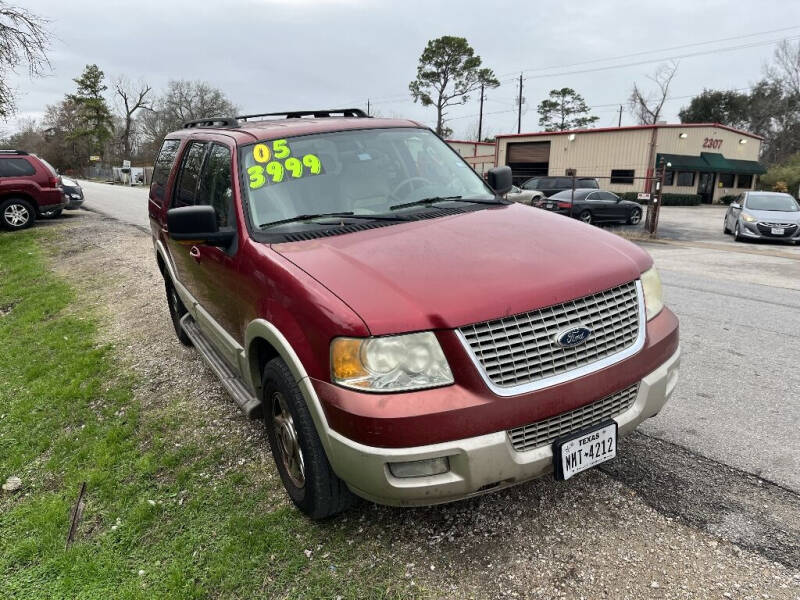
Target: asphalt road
[739, 306]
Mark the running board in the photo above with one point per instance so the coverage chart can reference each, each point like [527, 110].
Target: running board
[250, 405]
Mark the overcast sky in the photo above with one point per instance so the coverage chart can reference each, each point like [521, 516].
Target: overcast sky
[270, 55]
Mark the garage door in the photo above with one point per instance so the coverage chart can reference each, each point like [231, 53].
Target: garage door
[528, 152]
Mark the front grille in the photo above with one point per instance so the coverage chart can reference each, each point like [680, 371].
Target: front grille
[522, 348]
[789, 229]
[545, 432]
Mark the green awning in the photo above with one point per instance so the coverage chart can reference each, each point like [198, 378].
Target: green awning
[682, 162]
[712, 162]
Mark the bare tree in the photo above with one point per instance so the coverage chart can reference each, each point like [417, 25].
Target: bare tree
[132, 98]
[23, 40]
[786, 68]
[646, 107]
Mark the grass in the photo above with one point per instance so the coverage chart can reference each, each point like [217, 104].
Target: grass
[161, 519]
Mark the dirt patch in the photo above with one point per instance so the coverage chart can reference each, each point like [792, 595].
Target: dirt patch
[591, 537]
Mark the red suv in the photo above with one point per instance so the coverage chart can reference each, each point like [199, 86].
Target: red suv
[29, 186]
[406, 334]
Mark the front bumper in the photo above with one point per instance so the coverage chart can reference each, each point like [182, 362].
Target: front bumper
[758, 231]
[74, 198]
[477, 464]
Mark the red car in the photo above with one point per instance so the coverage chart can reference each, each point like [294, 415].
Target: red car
[29, 187]
[406, 334]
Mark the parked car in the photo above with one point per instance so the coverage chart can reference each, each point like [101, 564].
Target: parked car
[552, 185]
[73, 194]
[524, 196]
[405, 333]
[763, 216]
[29, 186]
[593, 206]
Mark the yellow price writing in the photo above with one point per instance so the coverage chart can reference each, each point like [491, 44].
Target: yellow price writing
[261, 153]
[274, 171]
[280, 149]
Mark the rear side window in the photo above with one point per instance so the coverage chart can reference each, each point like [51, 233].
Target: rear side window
[162, 168]
[186, 186]
[215, 185]
[16, 167]
[587, 183]
[531, 184]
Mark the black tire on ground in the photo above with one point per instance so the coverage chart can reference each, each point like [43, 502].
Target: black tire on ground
[586, 217]
[16, 213]
[301, 460]
[635, 217]
[736, 235]
[50, 214]
[176, 312]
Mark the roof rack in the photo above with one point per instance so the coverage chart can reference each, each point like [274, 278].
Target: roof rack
[22, 152]
[212, 122]
[318, 114]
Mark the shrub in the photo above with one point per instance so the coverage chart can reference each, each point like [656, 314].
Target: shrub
[728, 199]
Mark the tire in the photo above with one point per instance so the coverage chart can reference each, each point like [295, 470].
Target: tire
[176, 312]
[736, 235]
[301, 460]
[16, 213]
[635, 217]
[50, 214]
[586, 217]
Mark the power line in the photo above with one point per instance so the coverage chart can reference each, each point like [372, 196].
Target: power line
[644, 52]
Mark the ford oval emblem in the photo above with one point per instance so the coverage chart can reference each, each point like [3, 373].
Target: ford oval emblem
[567, 338]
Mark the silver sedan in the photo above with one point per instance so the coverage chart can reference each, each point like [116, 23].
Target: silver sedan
[763, 216]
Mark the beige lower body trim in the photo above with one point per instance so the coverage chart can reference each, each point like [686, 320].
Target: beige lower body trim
[477, 465]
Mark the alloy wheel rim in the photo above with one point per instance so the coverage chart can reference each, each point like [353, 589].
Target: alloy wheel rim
[587, 218]
[288, 444]
[635, 217]
[16, 215]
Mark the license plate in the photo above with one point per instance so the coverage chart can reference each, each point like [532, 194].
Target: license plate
[550, 205]
[585, 449]
[777, 231]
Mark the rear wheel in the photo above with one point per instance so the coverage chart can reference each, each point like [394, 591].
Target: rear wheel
[586, 217]
[176, 312]
[301, 460]
[635, 217]
[16, 213]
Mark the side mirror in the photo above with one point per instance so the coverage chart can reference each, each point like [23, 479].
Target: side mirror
[499, 179]
[735, 205]
[197, 224]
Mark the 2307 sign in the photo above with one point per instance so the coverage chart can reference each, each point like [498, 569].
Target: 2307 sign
[712, 143]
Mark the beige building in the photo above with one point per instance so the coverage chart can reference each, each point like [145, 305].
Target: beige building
[478, 154]
[712, 160]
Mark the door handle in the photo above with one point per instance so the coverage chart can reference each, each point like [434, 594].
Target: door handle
[194, 252]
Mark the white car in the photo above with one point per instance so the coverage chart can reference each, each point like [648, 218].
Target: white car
[524, 196]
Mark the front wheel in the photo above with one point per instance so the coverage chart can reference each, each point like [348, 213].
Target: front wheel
[176, 312]
[737, 236]
[635, 217]
[301, 460]
[586, 217]
[16, 214]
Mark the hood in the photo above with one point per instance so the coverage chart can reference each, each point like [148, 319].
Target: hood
[452, 271]
[774, 216]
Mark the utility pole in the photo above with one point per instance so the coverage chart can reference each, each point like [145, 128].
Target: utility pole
[519, 108]
[367, 106]
[619, 124]
[655, 206]
[480, 119]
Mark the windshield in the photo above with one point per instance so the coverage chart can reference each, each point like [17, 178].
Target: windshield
[364, 172]
[776, 202]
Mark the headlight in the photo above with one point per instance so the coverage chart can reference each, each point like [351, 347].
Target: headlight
[653, 297]
[390, 363]
[749, 218]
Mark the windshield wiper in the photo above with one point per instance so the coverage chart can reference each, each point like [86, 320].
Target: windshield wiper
[434, 199]
[345, 215]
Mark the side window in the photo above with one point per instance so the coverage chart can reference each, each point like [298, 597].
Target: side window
[16, 167]
[532, 184]
[593, 197]
[215, 187]
[186, 186]
[608, 196]
[162, 168]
